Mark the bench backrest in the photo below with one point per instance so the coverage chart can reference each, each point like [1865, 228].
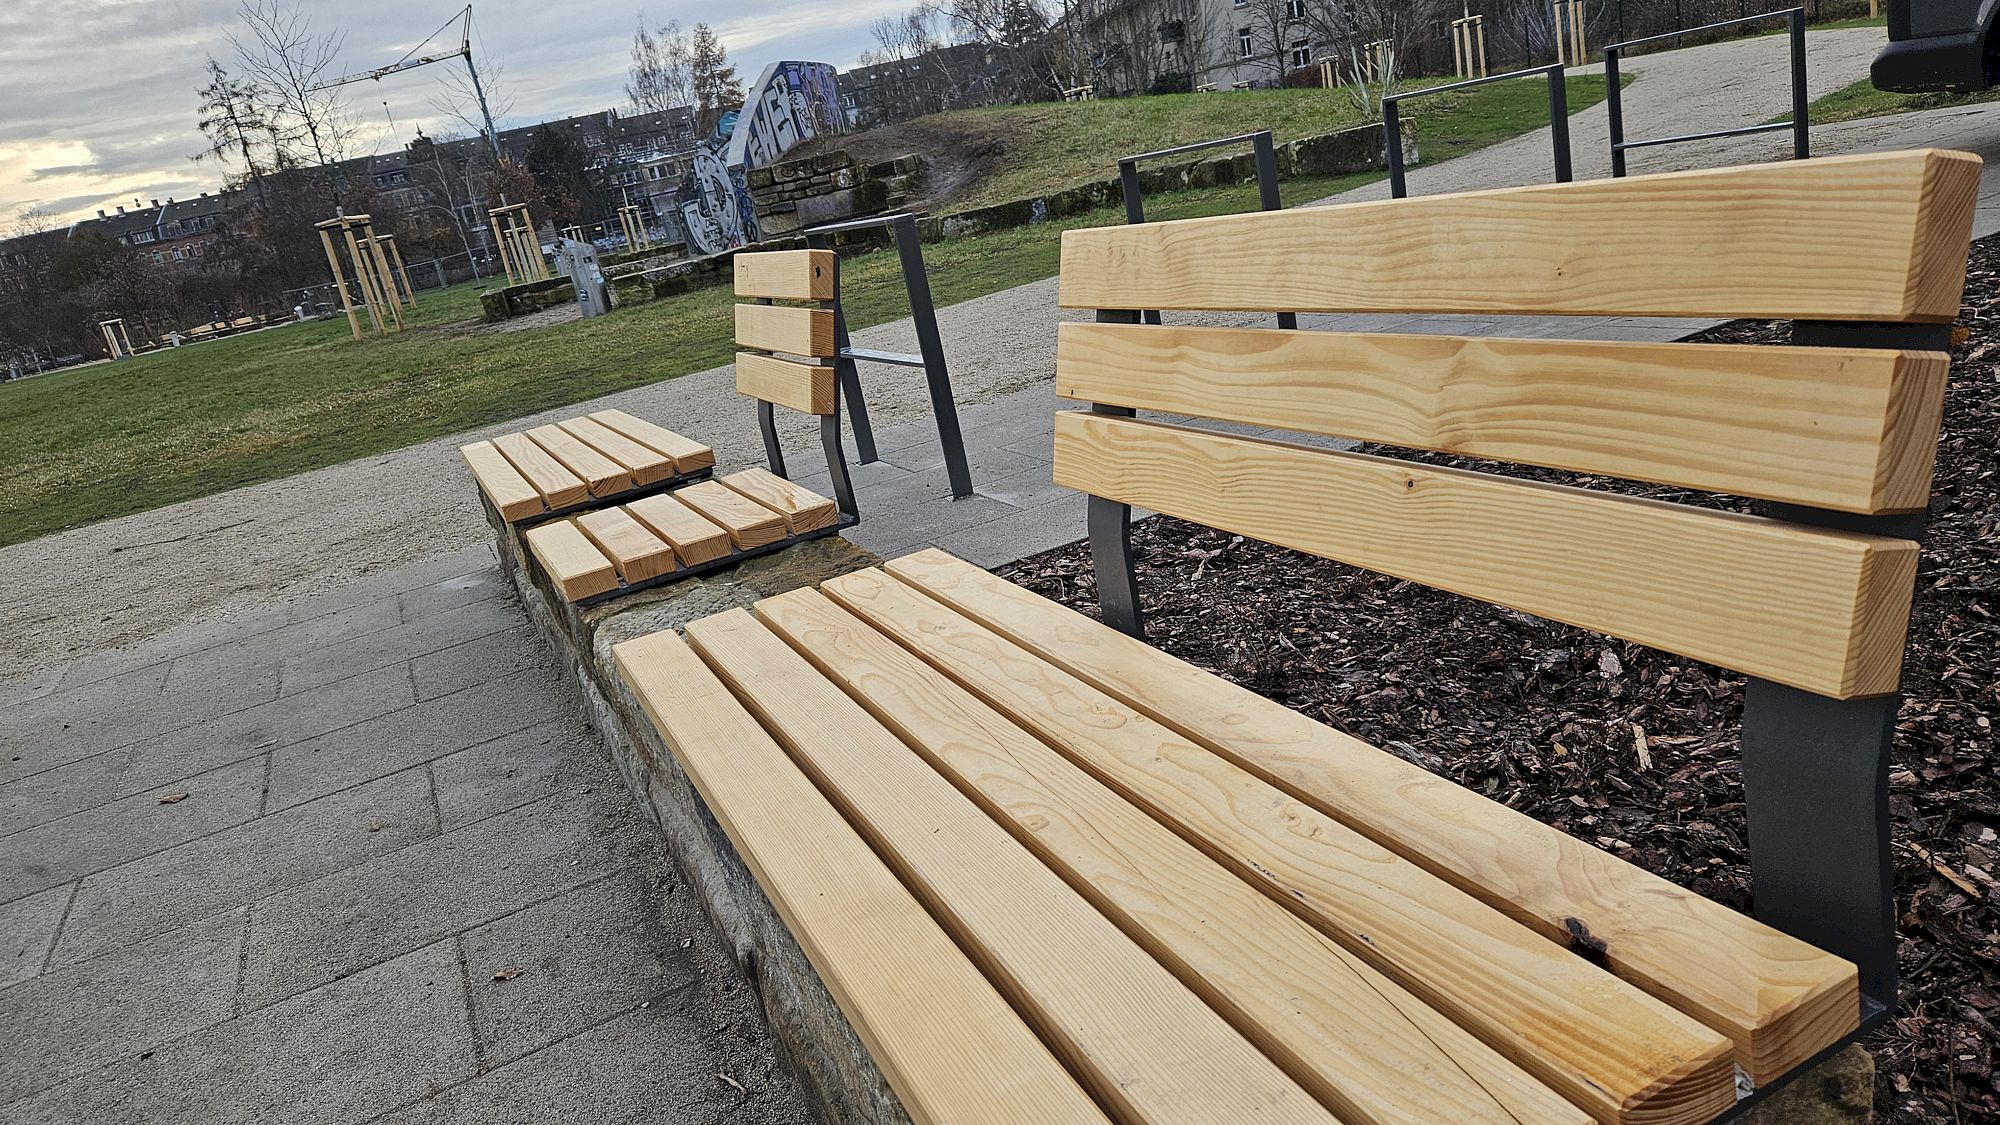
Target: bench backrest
[769, 332]
[1877, 241]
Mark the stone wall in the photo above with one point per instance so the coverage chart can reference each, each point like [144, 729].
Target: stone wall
[815, 190]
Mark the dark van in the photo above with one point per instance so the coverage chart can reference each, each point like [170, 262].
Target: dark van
[1938, 45]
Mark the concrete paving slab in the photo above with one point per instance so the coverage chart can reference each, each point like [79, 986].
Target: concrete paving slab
[70, 1019]
[27, 930]
[58, 852]
[482, 660]
[74, 723]
[516, 769]
[453, 592]
[338, 924]
[261, 858]
[320, 664]
[56, 793]
[343, 1053]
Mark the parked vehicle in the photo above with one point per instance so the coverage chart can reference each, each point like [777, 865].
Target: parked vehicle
[1939, 45]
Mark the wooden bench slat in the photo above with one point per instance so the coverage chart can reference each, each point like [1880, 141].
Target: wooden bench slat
[636, 552]
[688, 454]
[559, 487]
[948, 1043]
[1363, 1046]
[1853, 429]
[1601, 1043]
[1874, 237]
[1781, 1001]
[803, 509]
[785, 328]
[1145, 1045]
[786, 275]
[748, 523]
[647, 465]
[1823, 611]
[604, 476]
[510, 492]
[694, 537]
[577, 567]
[802, 386]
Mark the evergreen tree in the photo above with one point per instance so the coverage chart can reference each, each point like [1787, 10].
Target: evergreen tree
[717, 89]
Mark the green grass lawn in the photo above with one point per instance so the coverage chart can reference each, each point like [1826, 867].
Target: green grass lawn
[105, 441]
[1861, 99]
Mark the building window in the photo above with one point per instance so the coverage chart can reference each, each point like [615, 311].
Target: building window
[1246, 44]
[1295, 9]
[1301, 54]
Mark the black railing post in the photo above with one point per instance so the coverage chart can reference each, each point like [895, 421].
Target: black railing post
[1614, 106]
[1268, 196]
[1799, 123]
[931, 346]
[1559, 123]
[845, 374]
[1801, 104]
[1128, 183]
[1392, 139]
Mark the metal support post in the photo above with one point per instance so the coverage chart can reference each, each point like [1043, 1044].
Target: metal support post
[931, 346]
[1110, 527]
[1801, 102]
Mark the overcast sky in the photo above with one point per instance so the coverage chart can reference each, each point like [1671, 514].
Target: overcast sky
[98, 97]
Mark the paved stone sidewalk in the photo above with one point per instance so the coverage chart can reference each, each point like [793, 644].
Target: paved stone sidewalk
[349, 859]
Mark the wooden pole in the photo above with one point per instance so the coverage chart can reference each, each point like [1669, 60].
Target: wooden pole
[500, 248]
[385, 282]
[401, 270]
[340, 282]
[361, 278]
[1482, 44]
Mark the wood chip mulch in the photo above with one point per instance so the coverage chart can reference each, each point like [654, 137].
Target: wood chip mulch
[1636, 750]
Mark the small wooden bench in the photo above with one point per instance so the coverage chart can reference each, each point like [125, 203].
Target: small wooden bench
[1052, 874]
[606, 457]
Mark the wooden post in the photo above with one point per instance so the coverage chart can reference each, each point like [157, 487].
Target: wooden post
[385, 281]
[1570, 50]
[361, 282]
[339, 278]
[1482, 45]
[400, 270]
[500, 248]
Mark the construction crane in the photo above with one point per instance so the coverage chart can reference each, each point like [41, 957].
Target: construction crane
[412, 60]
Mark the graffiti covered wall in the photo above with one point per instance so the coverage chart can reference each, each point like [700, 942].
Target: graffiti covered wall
[792, 102]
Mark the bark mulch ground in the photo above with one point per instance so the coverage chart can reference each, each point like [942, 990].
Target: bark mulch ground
[1633, 749]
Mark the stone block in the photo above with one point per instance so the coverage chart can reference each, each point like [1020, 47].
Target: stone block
[757, 177]
[828, 161]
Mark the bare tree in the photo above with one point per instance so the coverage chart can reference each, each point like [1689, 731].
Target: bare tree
[455, 98]
[923, 83]
[289, 64]
[662, 70]
[1017, 34]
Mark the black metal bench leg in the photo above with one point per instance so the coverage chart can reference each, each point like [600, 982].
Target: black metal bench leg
[924, 316]
[767, 424]
[845, 374]
[1111, 557]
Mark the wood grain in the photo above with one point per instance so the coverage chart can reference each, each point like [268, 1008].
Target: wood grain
[1823, 611]
[804, 510]
[635, 551]
[688, 454]
[786, 275]
[785, 328]
[695, 538]
[604, 476]
[1780, 1000]
[1854, 429]
[1876, 237]
[1604, 1045]
[645, 464]
[748, 523]
[1137, 1038]
[801, 386]
[512, 496]
[948, 1043]
[1363, 1046]
[559, 487]
[577, 567]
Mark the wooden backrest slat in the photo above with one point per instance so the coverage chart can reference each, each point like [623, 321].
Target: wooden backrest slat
[1852, 429]
[786, 275]
[1874, 237]
[1819, 610]
[802, 386]
[785, 328]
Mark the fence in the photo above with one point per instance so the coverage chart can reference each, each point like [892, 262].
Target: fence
[1392, 125]
[1795, 19]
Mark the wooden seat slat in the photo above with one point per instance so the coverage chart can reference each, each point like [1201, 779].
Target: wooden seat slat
[559, 487]
[1823, 611]
[786, 275]
[688, 454]
[604, 476]
[647, 465]
[1145, 1045]
[785, 328]
[1871, 237]
[748, 523]
[950, 1046]
[510, 492]
[694, 537]
[804, 387]
[803, 509]
[636, 552]
[1366, 1048]
[1601, 1043]
[1854, 429]
[1780, 1000]
[578, 568]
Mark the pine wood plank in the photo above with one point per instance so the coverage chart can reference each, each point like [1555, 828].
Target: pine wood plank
[559, 487]
[512, 496]
[636, 552]
[1823, 611]
[748, 523]
[948, 1043]
[785, 328]
[604, 476]
[1854, 429]
[801, 386]
[1137, 1038]
[688, 454]
[694, 537]
[576, 566]
[1877, 236]
[646, 465]
[786, 275]
[1363, 1046]
[804, 510]
[1780, 1000]
[1602, 1044]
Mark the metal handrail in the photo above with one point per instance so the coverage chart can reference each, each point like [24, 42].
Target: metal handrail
[1392, 125]
[1799, 124]
[1268, 199]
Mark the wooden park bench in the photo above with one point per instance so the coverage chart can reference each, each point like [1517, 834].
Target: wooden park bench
[1052, 874]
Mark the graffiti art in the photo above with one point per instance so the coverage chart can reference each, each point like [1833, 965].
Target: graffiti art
[791, 102]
